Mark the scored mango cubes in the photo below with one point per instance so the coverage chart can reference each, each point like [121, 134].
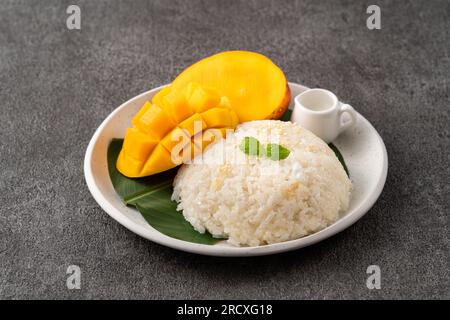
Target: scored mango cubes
[175, 127]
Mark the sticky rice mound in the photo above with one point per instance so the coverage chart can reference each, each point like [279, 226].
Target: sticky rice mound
[253, 200]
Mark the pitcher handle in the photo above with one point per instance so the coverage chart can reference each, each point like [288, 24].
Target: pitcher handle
[346, 108]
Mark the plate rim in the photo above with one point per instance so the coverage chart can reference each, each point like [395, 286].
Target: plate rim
[225, 251]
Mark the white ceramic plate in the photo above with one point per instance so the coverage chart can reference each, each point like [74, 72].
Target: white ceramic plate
[362, 148]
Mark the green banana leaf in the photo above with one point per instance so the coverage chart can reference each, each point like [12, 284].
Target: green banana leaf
[151, 196]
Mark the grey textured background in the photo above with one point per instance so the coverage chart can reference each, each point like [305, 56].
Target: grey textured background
[56, 87]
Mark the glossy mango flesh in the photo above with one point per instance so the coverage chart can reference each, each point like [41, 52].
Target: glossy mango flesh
[256, 87]
[174, 128]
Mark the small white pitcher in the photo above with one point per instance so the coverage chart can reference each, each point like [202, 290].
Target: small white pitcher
[320, 112]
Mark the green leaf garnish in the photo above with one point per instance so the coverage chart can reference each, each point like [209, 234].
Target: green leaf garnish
[250, 146]
[276, 152]
[151, 196]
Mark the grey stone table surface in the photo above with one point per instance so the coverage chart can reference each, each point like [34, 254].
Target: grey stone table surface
[57, 85]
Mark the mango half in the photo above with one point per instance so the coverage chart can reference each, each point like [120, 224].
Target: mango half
[174, 128]
[256, 87]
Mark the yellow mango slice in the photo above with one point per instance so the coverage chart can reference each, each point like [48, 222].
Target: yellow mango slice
[189, 89]
[194, 124]
[159, 161]
[155, 122]
[217, 117]
[138, 145]
[175, 137]
[177, 107]
[169, 131]
[234, 119]
[158, 97]
[201, 99]
[256, 87]
[129, 166]
[138, 115]
[224, 103]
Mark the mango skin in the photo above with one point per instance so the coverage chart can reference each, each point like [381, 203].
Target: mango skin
[174, 128]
